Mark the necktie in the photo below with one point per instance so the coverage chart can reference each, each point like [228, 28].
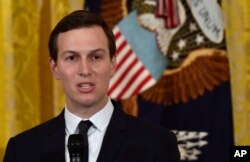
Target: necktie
[83, 127]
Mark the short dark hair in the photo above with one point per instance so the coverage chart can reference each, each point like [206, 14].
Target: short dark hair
[78, 19]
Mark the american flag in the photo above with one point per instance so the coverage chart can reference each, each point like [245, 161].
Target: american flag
[131, 77]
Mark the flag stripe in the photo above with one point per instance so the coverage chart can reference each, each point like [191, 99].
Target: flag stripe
[125, 72]
[138, 89]
[121, 46]
[170, 12]
[123, 67]
[121, 62]
[125, 79]
[117, 34]
[137, 82]
[172, 20]
[160, 8]
[131, 75]
[148, 84]
[129, 83]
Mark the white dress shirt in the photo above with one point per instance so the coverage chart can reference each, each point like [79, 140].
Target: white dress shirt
[96, 132]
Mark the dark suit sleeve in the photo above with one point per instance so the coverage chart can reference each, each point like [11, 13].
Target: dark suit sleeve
[9, 153]
[169, 151]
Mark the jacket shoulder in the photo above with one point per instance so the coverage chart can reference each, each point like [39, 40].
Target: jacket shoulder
[41, 129]
[149, 128]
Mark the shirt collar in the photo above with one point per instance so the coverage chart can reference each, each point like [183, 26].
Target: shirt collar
[71, 121]
[100, 120]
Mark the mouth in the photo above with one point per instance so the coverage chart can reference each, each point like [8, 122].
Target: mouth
[86, 87]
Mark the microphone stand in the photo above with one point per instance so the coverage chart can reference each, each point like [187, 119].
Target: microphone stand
[76, 147]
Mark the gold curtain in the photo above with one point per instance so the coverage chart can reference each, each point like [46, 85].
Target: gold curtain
[28, 94]
[237, 16]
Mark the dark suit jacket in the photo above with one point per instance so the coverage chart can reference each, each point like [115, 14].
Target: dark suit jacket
[127, 140]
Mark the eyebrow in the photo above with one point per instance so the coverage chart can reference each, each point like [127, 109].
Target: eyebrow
[97, 50]
[69, 51]
[92, 51]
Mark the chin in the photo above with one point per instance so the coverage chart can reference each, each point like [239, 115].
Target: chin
[87, 102]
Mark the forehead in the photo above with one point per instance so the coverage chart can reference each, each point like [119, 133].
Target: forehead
[83, 33]
[84, 37]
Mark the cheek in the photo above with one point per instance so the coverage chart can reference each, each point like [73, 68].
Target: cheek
[66, 74]
[105, 75]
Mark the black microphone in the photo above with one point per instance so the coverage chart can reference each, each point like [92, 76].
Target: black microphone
[76, 147]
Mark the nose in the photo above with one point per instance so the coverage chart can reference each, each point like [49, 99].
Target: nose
[84, 68]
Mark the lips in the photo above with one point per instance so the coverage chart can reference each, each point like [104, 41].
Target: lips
[85, 87]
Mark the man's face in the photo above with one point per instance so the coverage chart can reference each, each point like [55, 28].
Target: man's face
[84, 67]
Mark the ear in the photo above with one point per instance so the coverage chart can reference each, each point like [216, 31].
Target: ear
[54, 69]
[113, 66]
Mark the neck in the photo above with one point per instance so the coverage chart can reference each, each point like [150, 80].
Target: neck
[85, 112]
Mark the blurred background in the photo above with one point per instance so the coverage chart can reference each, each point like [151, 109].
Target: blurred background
[193, 73]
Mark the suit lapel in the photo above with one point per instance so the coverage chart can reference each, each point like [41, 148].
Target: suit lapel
[54, 140]
[114, 137]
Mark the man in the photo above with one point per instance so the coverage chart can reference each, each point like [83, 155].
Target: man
[82, 50]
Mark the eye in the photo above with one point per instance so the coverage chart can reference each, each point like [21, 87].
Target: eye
[96, 57]
[71, 57]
